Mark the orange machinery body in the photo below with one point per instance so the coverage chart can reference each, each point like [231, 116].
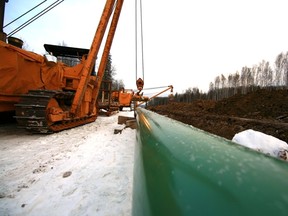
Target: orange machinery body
[125, 98]
[22, 71]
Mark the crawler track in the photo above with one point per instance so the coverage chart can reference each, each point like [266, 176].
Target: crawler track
[31, 112]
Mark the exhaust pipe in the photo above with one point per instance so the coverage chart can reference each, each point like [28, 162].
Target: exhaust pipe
[15, 42]
[182, 170]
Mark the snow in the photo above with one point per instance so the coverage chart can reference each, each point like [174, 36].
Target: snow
[87, 170]
[262, 142]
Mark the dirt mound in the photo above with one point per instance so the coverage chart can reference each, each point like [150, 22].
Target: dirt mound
[263, 110]
[264, 103]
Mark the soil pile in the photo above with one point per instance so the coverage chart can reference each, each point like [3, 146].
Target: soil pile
[263, 110]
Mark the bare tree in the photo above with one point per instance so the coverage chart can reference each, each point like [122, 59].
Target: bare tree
[236, 81]
[217, 87]
[243, 79]
[211, 91]
[285, 68]
[266, 77]
[230, 81]
[278, 70]
[250, 78]
[224, 86]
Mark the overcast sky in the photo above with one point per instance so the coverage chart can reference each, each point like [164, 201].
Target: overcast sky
[187, 43]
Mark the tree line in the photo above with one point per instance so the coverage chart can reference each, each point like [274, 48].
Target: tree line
[262, 75]
[109, 75]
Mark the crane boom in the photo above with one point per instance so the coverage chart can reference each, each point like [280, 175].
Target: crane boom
[170, 87]
[95, 46]
[106, 52]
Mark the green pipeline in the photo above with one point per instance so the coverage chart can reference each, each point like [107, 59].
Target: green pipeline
[181, 170]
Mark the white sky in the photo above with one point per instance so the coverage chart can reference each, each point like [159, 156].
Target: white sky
[187, 43]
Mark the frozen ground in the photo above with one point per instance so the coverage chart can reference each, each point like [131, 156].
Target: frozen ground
[83, 171]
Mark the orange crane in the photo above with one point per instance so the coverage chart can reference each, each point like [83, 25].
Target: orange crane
[47, 96]
[125, 97]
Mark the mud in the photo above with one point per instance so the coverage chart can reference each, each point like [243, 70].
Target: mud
[263, 110]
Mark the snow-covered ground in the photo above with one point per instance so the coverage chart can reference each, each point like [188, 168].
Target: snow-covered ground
[86, 170]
